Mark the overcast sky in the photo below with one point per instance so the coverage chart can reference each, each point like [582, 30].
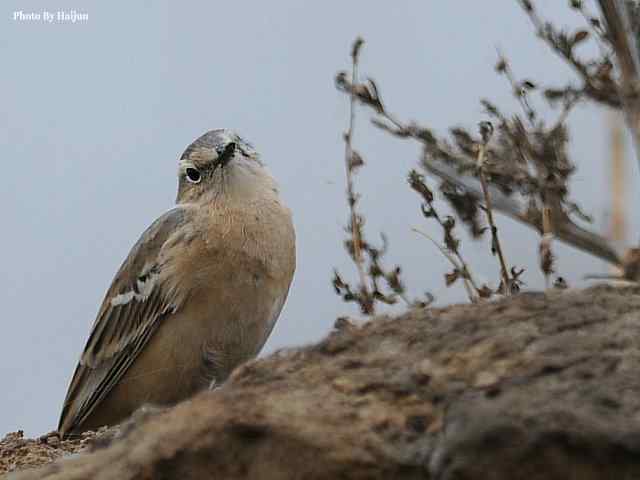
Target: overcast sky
[95, 114]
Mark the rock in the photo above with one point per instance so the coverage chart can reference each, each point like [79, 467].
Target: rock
[536, 386]
[17, 452]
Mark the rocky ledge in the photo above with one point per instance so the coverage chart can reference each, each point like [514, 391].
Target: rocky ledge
[536, 386]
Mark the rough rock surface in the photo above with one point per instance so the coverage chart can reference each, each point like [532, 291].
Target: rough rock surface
[18, 453]
[533, 387]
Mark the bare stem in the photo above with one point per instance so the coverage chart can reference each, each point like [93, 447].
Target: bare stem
[506, 284]
[469, 285]
[618, 18]
[463, 267]
[519, 92]
[348, 158]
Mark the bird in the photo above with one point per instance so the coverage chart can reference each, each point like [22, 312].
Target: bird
[198, 294]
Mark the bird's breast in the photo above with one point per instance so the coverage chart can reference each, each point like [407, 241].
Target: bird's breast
[239, 266]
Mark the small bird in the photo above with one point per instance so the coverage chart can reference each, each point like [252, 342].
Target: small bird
[198, 294]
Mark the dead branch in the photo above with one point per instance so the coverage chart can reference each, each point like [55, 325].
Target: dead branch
[618, 17]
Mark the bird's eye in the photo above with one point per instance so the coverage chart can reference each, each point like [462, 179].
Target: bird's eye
[193, 175]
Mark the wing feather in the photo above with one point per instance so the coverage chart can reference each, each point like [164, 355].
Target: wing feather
[133, 308]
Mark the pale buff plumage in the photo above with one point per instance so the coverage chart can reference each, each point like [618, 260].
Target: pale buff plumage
[198, 294]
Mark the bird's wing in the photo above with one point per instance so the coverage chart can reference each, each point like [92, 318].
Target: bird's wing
[134, 306]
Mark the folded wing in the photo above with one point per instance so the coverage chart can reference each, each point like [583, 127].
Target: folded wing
[133, 308]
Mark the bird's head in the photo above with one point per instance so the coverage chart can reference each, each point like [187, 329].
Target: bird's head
[220, 163]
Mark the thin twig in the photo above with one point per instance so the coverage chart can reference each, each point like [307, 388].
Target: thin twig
[518, 88]
[597, 32]
[617, 16]
[598, 85]
[567, 108]
[378, 285]
[355, 231]
[451, 244]
[486, 130]
[472, 293]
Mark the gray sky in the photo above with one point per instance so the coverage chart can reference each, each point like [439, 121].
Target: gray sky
[95, 114]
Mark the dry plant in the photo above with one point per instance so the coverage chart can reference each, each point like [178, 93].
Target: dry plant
[451, 248]
[519, 164]
[377, 284]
